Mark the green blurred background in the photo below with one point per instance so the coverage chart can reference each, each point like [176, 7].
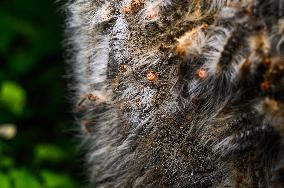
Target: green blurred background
[36, 126]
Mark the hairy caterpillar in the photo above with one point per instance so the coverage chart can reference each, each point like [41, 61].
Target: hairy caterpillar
[179, 93]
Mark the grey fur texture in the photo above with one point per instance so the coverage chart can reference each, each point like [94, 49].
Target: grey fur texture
[179, 93]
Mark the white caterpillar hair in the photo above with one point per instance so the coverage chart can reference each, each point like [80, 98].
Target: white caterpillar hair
[179, 93]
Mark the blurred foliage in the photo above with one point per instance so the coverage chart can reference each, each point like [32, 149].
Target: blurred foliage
[13, 97]
[32, 97]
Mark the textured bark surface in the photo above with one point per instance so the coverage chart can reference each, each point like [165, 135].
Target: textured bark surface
[179, 93]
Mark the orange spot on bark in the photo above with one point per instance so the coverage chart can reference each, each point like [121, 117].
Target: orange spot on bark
[151, 76]
[265, 86]
[123, 67]
[202, 73]
[131, 7]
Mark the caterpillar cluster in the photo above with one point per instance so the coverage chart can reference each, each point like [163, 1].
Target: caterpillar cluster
[179, 93]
